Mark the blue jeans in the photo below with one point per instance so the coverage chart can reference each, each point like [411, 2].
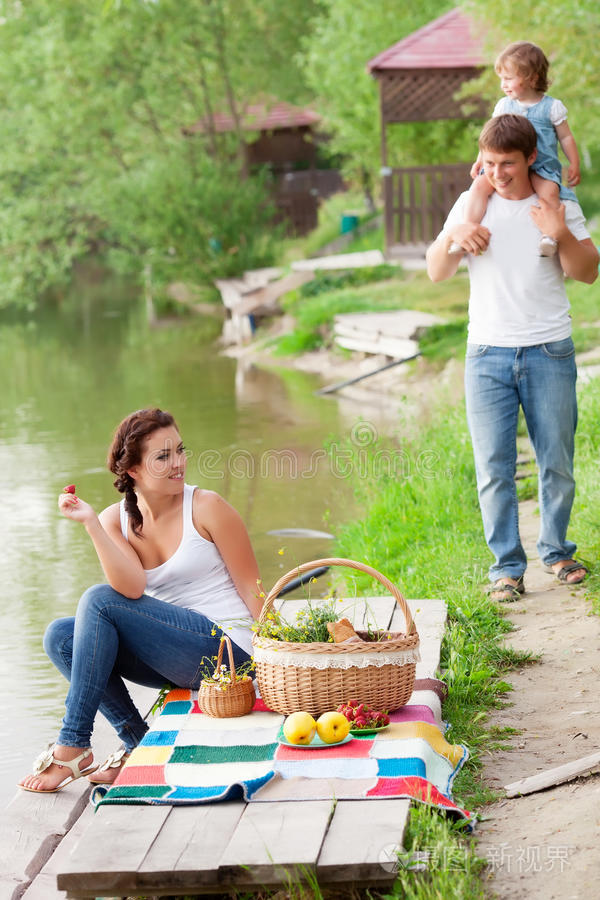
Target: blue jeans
[110, 638]
[540, 379]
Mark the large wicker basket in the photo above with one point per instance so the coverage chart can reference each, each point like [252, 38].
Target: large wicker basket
[319, 677]
[237, 699]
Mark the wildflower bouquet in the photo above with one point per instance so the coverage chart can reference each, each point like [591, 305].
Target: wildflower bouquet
[310, 625]
[225, 692]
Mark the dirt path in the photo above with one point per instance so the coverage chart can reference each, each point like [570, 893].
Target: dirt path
[546, 845]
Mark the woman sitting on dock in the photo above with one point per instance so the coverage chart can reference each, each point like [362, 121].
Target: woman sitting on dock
[180, 570]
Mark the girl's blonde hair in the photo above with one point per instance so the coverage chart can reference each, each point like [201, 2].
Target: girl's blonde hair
[528, 60]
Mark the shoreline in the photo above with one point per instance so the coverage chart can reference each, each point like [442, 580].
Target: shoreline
[409, 391]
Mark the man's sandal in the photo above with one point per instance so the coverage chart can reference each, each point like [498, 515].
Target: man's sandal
[110, 768]
[562, 573]
[47, 758]
[505, 592]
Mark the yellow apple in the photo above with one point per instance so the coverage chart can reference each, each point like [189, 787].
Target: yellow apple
[332, 727]
[299, 728]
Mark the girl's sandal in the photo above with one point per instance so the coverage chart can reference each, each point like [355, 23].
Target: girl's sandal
[47, 758]
[110, 768]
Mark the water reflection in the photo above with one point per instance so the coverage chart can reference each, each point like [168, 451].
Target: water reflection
[70, 376]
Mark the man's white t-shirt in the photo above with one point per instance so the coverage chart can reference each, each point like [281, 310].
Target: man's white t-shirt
[518, 297]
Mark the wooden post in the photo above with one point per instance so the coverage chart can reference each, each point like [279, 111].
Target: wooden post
[386, 174]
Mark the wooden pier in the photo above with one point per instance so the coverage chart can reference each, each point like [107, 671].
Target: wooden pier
[60, 848]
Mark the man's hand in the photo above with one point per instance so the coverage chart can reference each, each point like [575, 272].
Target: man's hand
[440, 263]
[471, 237]
[578, 258]
[549, 220]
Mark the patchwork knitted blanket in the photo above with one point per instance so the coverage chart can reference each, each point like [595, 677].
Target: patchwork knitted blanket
[188, 757]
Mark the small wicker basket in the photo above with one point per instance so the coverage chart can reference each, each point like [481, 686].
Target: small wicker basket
[236, 699]
[317, 677]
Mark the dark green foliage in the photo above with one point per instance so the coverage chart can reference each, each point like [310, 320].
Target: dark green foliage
[97, 155]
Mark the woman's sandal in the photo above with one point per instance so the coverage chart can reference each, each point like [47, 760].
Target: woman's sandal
[571, 566]
[47, 758]
[505, 592]
[111, 767]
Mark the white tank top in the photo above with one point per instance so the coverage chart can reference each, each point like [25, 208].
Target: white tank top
[196, 577]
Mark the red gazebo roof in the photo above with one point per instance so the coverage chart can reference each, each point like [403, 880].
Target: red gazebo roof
[262, 117]
[446, 43]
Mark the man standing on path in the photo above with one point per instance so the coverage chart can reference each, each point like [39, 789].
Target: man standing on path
[519, 349]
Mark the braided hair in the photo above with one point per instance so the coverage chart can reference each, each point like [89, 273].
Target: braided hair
[126, 451]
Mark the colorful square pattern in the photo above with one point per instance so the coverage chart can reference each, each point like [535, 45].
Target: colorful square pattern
[187, 757]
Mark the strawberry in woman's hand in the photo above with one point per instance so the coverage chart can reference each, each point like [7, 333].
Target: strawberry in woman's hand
[69, 489]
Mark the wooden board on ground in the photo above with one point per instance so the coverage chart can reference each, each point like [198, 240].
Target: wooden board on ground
[381, 832]
[360, 260]
[394, 347]
[395, 333]
[586, 765]
[190, 844]
[276, 841]
[264, 300]
[43, 887]
[404, 324]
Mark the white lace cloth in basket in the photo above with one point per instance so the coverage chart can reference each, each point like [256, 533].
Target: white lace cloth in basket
[336, 660]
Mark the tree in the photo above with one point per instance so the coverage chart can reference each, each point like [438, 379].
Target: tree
[344, 37]
[94, 152]
[567, 31]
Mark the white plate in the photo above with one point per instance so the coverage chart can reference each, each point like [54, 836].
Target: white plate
[315, 744]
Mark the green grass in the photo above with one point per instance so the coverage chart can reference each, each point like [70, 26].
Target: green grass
[421, 526]
[449, 869]
[314, 315]
[372, 239]
[584, 519]
[328, 227]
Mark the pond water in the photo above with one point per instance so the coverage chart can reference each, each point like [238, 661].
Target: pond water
[70, 375]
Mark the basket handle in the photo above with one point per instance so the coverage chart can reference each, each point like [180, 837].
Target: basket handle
[350, 563]
[226, 641]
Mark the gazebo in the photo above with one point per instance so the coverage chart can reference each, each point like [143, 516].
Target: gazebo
[418, 80]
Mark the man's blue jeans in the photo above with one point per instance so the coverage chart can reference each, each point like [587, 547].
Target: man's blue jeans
[111, 637]
[540, 379]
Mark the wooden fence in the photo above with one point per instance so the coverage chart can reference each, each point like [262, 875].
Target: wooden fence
[297, 197]
[417, 200]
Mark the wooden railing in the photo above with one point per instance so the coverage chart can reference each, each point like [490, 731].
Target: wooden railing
[418, 199]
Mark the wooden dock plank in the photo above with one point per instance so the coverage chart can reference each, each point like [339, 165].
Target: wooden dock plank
[366, 847]
[32, 827]
[186, 853]
[363, 612]
[275, 842]
[43, 887]
[111, 850]
[430, 619]
[370, 612]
